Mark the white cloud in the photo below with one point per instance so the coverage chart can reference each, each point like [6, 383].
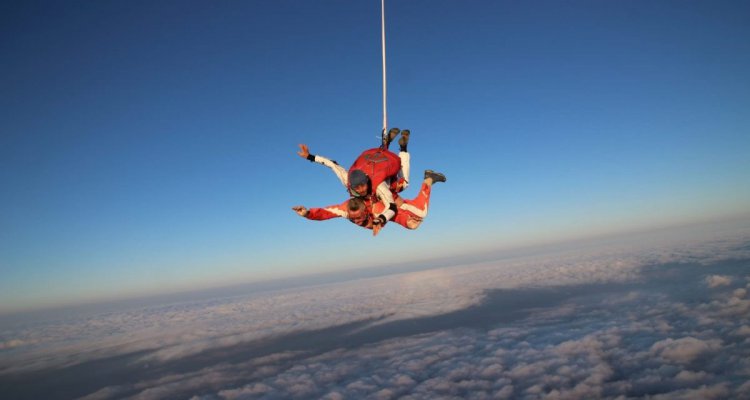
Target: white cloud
[691, 377]
[403, 381]
[715, 281]
[718, 391]
[384, 394]
[684, 350]
[334, 396]
[110, 392]
[744, 330]
[9, 344]
[250, 390]
[744, 389]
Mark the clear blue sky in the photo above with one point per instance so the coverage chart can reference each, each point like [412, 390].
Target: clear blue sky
[148, 147]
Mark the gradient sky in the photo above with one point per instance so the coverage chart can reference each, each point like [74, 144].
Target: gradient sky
[150, 147]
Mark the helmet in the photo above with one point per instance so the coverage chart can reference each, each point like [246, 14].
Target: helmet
[356, 178]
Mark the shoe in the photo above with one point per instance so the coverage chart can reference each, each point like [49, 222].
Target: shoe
[404, 139]
[436, 176]
[388, 137]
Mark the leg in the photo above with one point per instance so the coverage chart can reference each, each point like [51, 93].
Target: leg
[413, 212]
[403, 183]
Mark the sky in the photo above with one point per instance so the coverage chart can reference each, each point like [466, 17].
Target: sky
[149, 147]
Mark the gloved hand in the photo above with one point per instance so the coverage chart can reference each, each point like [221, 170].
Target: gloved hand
[377, 224]
[304, 151]
[301, 210]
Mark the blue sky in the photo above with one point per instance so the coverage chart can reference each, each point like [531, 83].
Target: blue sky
[150, 147]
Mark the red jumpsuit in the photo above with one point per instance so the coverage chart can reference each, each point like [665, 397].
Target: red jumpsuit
[381, 167]
[380, 163]
[409, 215]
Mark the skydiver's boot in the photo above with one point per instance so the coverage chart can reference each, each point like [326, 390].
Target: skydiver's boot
[435, 176]
[388, 137]
[404, 139]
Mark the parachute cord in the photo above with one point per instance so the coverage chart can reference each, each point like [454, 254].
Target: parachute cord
[382, 32]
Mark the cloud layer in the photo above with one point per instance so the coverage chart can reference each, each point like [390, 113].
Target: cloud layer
[645, 344]
[668, 321]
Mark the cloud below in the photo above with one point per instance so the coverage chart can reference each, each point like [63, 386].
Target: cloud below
[667, 321]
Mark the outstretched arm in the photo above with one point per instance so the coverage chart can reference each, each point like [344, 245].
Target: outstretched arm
[340, 172]
[321, 214]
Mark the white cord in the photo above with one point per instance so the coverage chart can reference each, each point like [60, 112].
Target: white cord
[382, 30]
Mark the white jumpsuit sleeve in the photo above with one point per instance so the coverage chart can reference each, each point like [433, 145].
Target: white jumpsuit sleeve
[384, 194]
[340, 172]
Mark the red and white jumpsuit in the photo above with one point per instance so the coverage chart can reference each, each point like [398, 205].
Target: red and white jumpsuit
[381, 166]
[409, 215]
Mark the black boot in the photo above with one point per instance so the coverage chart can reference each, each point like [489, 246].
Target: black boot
[436, 176]
[404, 139]
[388, 137]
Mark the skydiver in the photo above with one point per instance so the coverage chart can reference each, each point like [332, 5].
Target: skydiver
[376, 167]
[410, 213]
